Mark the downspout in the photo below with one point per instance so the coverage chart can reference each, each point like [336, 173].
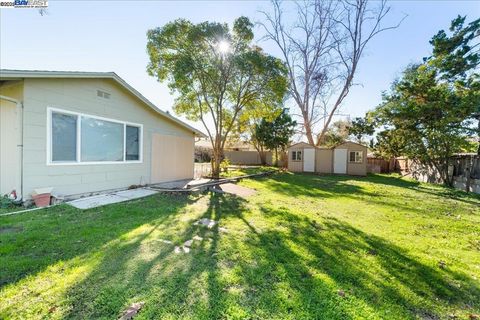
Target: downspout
[19, 183]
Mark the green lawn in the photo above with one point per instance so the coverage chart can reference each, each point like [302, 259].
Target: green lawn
[7, 207]
[235, 171]
[303, 247]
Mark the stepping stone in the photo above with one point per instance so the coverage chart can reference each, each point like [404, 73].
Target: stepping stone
[237, 190]
[197, 238]
[177, 249]
[186, 249]
[206, 222]
[132, 311]
[164, 241]
[188, 243]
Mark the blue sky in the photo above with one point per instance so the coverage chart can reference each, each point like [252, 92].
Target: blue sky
[111, 36]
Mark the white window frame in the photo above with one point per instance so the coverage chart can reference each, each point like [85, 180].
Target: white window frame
[295, 152]
[356, 152]
[78, 161]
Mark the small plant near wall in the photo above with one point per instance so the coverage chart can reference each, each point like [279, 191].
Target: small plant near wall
[6, 202]
[224, 165]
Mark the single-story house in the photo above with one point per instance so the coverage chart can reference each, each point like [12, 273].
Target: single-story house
[85, 132]
[347, 158]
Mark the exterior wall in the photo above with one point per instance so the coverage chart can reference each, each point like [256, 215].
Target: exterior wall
[171, 152]
[324, 161]
[10, 131]
[297, 166]
[80, 95]
[355, 169]
[247, 157]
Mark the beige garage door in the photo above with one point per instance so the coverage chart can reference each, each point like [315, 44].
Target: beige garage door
[172, 158]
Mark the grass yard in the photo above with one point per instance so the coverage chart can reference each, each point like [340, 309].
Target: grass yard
[235, 171]
[6, 206]
[303, 247]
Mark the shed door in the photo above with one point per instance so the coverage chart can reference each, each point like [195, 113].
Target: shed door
[309, 160]
[340, 161]
[172, 158]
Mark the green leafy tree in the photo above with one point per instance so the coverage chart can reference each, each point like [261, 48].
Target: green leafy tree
[273, 135]
[424, 119]
[361, 127]
[456, 58]
[429, 114]
[336, 134]
[219, 76]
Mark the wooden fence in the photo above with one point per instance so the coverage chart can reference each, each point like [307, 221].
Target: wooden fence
[379, 165]
[247, 157]
[463, 168]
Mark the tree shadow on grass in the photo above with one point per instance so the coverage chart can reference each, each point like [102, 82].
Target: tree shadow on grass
[431, 189]
[373, 273]
[149, 270]
[335, 186]
[271, 264]
[298, 268]
[311, 185]
[62, 233]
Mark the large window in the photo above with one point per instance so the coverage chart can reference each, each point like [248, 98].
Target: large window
[84, 139]
[356, 156]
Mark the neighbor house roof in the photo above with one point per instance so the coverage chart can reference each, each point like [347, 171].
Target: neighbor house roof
[6, 74]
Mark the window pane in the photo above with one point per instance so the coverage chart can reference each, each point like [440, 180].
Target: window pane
[133, 143]
[359, 156]
[352, 156]
[101, 140]
[64, 137]
[299, 155]
[294, 155]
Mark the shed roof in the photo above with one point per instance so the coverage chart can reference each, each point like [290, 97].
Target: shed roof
[6, 74]
[307, 145]
[301, 144]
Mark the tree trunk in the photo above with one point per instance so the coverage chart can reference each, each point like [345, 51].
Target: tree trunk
[478, 135]
[308, 132]
[276, 157]
[263, 157]
[216, 160]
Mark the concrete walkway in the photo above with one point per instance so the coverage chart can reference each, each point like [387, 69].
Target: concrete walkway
[115, 197]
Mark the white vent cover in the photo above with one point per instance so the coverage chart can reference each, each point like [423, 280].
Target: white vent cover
[103, 94]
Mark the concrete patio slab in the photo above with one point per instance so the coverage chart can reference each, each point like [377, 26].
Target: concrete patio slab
[115, 197]
[181, 184]
[169, 185]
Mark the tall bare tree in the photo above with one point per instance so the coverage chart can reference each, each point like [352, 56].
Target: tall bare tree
[322, 49]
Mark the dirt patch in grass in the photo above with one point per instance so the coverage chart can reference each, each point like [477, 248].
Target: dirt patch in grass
[10, 229]
[237, 190]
